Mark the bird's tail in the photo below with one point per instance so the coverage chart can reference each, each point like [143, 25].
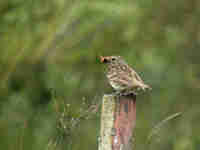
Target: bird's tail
[146, 87]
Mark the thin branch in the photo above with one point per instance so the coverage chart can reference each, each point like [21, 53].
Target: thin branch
[157, 127]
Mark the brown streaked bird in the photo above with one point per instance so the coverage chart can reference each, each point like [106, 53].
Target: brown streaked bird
[121, 76]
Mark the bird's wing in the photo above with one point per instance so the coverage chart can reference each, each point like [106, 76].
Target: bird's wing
[125, 77]
[131, 72]
[136, 76]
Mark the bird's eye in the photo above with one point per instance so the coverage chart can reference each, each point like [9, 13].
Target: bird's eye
[113, 59]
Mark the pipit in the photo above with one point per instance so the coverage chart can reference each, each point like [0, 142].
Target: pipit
[122, 78]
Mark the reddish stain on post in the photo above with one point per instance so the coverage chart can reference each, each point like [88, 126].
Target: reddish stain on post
[125, 120]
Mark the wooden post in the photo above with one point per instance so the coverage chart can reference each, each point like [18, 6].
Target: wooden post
[118, 118]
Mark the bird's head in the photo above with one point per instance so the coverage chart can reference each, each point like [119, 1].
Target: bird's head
[109, 59]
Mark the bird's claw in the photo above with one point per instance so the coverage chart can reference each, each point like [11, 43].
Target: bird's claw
[125, 93]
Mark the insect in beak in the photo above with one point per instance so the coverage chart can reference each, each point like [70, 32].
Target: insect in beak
[104, 59]
[101, 59]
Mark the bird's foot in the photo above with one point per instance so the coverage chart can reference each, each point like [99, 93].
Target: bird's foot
[125, 93]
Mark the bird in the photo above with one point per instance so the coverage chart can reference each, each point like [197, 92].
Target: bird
[122, 78]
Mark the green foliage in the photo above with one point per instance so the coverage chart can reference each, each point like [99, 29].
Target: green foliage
[55, 44]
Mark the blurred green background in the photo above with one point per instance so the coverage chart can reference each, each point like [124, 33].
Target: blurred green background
[50, 74]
